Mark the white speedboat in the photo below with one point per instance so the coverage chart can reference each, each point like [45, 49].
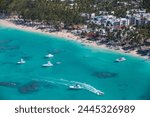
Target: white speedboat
[48, 64]
[121, 59]
[99, 93]
[21, 61]
[77, 86]
[49, 56]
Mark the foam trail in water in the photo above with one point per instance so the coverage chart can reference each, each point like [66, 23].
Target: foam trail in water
[70, 83]
[85, 86]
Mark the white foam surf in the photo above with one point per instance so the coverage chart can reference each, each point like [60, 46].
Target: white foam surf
[68, 83]
[85, 86]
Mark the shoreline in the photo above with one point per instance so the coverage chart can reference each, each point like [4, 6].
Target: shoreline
[66, 35]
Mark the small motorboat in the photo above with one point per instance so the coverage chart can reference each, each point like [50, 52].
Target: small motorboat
[21, 61]
[48, 64]
[99, 93]
[49, 56]
[121, 59]
[77, 86]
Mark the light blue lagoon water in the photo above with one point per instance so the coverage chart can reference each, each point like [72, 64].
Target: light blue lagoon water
[93, 69]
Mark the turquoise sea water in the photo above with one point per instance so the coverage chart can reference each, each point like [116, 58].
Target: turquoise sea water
[94, 69]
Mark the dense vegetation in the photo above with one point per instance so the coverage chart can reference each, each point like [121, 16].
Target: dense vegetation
[67, 11]
[146, 4]
[55, 10]
[50, 11]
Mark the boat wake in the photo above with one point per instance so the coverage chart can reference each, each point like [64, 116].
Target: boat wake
[84, 86]
[67, 83]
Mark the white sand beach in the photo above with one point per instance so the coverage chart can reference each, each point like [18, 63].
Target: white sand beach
[64, 34]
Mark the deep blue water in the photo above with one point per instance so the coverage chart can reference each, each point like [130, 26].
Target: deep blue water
[94, 69]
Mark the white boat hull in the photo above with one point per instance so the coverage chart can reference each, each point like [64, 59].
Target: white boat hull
[75, 87]
[120, 59]
[49, 56]
[46, 65]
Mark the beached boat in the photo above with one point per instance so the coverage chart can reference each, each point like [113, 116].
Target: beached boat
[49, 56]
[21, 61]
[48, 64]
[121, 59]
